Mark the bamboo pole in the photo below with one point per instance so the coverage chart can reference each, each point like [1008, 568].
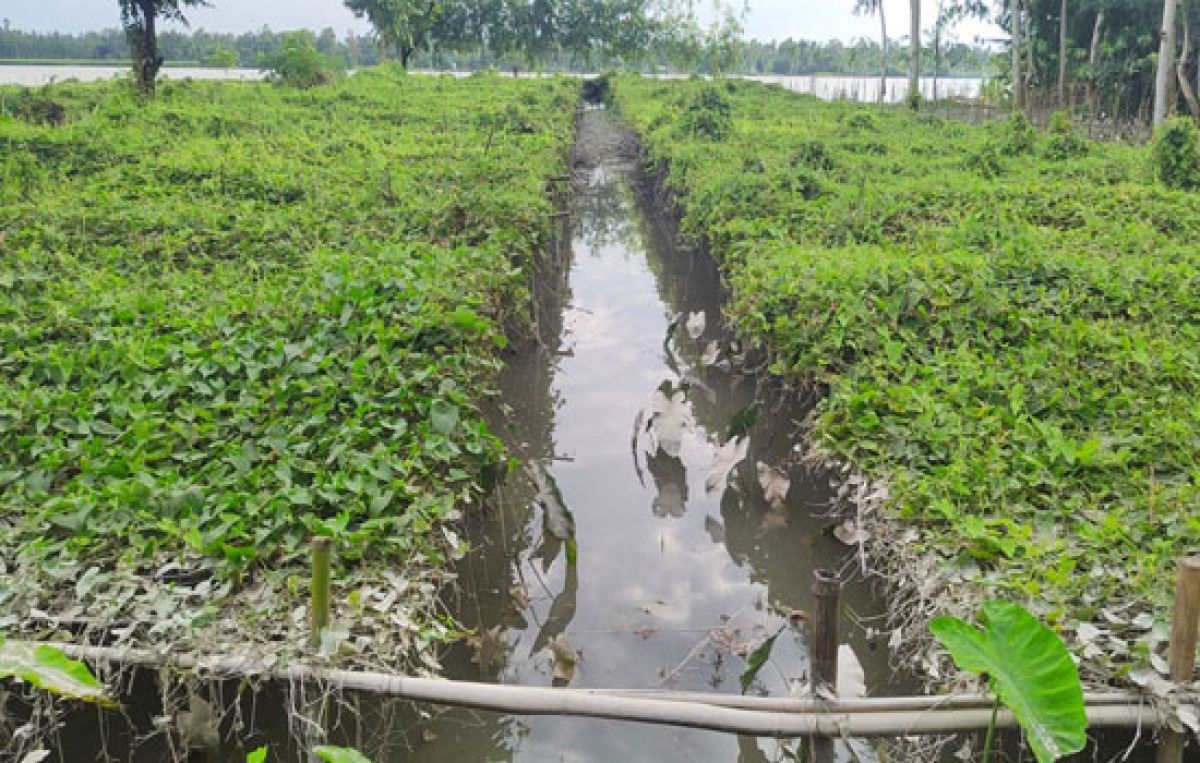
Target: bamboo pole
[319, 590]
[1182, 656]
[882, 717]
[827, 588]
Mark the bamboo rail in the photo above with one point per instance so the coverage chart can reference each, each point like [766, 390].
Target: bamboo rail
[876, 717]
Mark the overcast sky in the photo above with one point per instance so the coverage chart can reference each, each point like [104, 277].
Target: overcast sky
[767, 19]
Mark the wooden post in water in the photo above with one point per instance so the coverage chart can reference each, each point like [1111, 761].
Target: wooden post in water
[827, 588]
[1182, 657]
[319, 590]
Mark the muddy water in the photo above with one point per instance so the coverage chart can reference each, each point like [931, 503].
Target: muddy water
[675, 581]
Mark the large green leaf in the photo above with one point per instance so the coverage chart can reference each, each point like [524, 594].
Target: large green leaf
[49, 669]
[1029, 669]
[340, 755]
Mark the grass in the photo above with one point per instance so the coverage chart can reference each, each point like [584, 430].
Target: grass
[1006, 323]
[242, 315]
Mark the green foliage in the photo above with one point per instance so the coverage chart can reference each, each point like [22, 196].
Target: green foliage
[49, 669]
[1030, 671]
[706, 115]
[222, 57]
[298, 63]
[1065, 141]
[242, 314]
[1015, 354]
[1021, 135]
[1176, 154]
[340, 755]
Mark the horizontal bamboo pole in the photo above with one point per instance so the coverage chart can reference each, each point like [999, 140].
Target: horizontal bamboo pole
[880, 717]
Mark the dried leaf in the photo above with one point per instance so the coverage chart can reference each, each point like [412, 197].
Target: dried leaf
[775, 484]
[850, 533]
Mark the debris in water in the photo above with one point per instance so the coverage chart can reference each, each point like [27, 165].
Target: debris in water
[775, 484]
[725, 458]
[850, 533]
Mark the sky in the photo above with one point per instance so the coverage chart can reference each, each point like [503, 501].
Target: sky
[766, 20]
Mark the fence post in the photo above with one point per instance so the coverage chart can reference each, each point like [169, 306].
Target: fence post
[827, 588]
[1185, 620]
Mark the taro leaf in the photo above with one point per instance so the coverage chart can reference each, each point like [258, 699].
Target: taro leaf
[756, 660]
[742, 422]
[774, 482]
[443, 416]
[670, 417]
[49, 669]
[696, 323]
[725, 458]
[340, 755]
[257, 756]
[1029, 669]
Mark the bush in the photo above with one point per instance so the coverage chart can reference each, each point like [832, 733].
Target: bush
[707, 115]
[298, 62]
[1022, 136]
[1176, 154]
[222, 57]
[1065, 141]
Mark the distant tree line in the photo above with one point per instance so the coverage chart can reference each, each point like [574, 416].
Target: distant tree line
[248, 49]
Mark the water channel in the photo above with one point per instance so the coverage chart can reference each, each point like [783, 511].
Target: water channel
[675, 581]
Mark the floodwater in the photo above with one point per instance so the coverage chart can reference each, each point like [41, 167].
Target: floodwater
[866, 89]
[36, 75]
[827, 87]
[674, 582]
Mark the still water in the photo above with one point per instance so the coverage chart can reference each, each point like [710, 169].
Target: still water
[676, 580]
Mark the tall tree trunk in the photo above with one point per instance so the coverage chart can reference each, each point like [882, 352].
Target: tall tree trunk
[1185, 86]
[1062, 54]
[883, 54]
[1166, 62]
[1093, 60]
[1018, 84]
[914, 62]
[144, 39]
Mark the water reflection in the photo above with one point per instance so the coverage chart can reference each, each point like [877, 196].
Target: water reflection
[678, 573]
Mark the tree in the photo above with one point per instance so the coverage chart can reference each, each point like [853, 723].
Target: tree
[403, 26]
[140, 17]
[914, 52]
[1166, 64]
[876, 6]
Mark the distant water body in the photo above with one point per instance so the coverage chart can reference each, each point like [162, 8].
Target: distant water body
[827, 87]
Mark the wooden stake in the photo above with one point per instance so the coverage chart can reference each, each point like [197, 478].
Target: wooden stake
[827, 588]
[319, 590]
[1182, 657]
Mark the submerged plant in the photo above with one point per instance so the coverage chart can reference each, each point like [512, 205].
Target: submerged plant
[1028, 669]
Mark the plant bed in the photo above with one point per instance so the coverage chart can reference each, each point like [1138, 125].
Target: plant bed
[242, 315]
[1006, 324]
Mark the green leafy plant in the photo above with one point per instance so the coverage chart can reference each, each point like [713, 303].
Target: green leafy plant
[1029, 670]
[340, 755]
[1176, 154]
[49, 669]
[298, 63]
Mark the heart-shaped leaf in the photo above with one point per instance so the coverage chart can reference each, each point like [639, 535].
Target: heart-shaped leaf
[49, 669]
[1029, 669]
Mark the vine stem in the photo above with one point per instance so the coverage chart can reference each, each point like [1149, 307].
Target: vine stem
[991, 731]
